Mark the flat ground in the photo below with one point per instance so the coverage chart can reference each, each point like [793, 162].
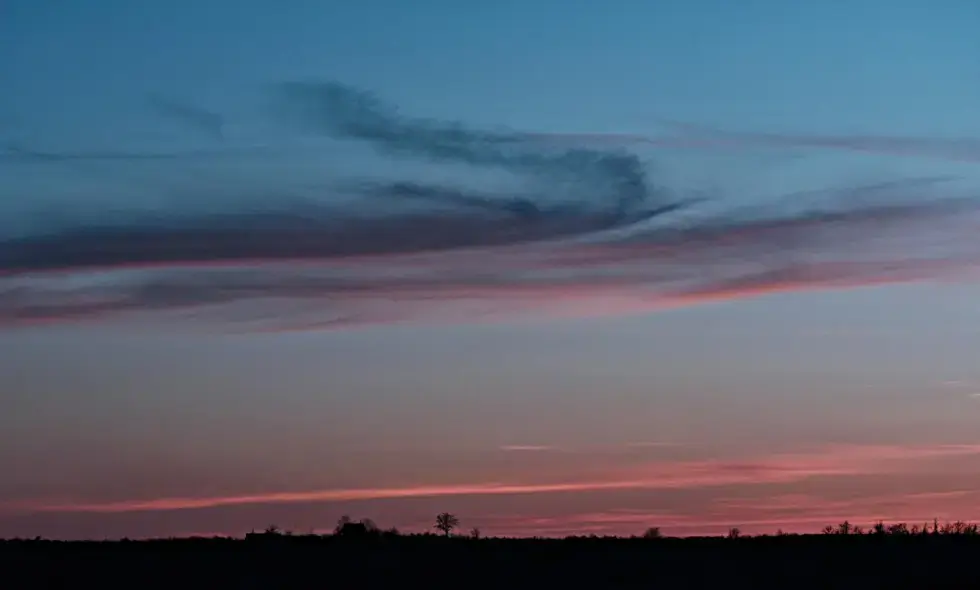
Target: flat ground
[427, 561]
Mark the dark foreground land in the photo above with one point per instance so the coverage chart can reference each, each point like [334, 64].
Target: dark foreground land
[428, 561]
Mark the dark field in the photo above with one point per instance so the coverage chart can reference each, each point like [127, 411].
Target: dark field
[431, 561]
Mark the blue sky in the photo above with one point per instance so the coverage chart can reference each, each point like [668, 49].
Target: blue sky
[124, 411]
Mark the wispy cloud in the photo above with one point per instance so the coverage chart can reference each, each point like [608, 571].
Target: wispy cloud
[527, 448]
[341, 111]
[778, 468]
[612, 277]
[20, 152]
[966, 149]
[459, 254]
[765, 514]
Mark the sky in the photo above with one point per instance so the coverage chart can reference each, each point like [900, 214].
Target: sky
[557, 270]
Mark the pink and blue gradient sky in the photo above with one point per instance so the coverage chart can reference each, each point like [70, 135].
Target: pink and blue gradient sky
[774, 371]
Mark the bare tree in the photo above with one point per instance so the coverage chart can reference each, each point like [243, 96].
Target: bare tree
[446, 522]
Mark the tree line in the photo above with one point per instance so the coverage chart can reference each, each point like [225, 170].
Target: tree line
[447, 523]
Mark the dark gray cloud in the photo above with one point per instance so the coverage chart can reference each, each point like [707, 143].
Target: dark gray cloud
[312, 232]
[455, 197]
[444, 247]
[657, 267]
[525, 207]
[344, 112]
[284, 230]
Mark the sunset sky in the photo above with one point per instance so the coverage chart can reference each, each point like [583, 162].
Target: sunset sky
[555, 267]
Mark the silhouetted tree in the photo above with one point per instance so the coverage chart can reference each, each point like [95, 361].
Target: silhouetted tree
[349, 529]
[370, 526]
[446, 522]
[898, 529]
[802, 562]
[652, 533]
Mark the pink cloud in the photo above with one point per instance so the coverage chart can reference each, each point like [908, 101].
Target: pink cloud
[717, 259]
[764, 514]
[785, 468]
